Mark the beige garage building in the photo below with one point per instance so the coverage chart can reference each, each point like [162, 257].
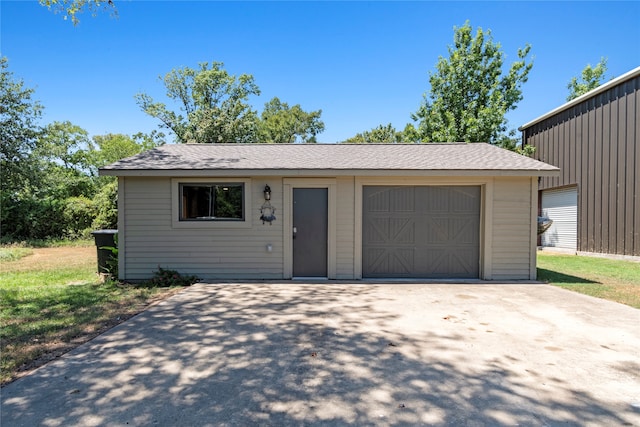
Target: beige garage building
[336, 211]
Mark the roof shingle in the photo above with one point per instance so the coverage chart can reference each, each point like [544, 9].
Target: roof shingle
[328, 157]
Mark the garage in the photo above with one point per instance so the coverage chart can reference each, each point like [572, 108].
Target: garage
[421, 231]
[329, 211]
[561, 205]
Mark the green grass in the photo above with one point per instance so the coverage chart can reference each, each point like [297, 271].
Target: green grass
[50, 308]
[13, 253]
[615, 280]
[44, 243]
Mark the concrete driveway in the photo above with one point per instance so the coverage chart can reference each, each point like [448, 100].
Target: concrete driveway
[243, 354]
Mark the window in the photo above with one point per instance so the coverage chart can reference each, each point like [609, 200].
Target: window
[212, 201]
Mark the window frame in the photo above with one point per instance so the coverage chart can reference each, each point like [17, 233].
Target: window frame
[176, 204]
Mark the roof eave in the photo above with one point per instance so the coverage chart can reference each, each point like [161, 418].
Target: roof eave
[327, 172]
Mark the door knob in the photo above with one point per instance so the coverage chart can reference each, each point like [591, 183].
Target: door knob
[295, 230]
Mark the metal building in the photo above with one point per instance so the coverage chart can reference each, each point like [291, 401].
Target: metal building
[593, 139]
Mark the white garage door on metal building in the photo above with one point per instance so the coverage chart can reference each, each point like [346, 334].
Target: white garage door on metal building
[561, 205]
[421, 231]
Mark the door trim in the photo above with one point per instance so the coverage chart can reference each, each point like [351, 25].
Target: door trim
[288, 185]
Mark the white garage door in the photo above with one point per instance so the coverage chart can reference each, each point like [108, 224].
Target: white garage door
[562, 207]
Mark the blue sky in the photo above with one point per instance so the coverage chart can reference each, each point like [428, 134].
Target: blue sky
[362, 63]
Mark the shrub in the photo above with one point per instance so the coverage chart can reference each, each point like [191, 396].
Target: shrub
[78, 215]
[167, 278]
[106, 207]
[27, 217]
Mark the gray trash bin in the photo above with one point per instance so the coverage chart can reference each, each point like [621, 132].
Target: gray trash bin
[104, 238]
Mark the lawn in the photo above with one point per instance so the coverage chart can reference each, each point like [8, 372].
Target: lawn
[615, 280]
[51, 300]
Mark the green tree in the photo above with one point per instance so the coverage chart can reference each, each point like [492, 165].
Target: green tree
[590, 78]
[61, 155]
[63, 142]
[214, 104]
[106, 149]
[19, 132]
[379, 134]
[71, 8]
[105, 204]
[109, 148]
[470, 95]
[283, 124]
[410, 134]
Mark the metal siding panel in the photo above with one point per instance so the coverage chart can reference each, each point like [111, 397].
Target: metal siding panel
[636, 169]
[620, 190]
[606, 148]
[613, 175]
[557, 153]
[566, 159]
[548, 155]
[590, 218]
[596, 224]
[561, 206]
[583, 210]
[604, 161]
[579, 151]
[571, 150]
[630, 170]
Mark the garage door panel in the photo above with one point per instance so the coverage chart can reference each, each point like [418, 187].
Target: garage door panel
[383, 230]
[402, 199]
[561, 205]
[438, 238]
[398, 261]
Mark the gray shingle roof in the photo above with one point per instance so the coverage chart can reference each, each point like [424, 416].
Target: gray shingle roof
[327, 157]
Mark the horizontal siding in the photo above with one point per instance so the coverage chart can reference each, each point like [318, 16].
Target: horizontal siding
[511, 225]
[345, 228]
[216, 253]
[151, 241]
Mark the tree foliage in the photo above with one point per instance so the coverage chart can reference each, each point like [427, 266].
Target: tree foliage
[71, 8]
[470, 94]
[590, 78]
[283, 124]
[109, 148]
[50, 187]
[19, 130]
[213, 103]
[214, 108]
[379, 134]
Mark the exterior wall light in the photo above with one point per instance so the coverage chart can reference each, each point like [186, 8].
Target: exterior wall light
[267, 192]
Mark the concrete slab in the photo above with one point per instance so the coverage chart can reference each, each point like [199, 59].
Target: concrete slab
[314, 354]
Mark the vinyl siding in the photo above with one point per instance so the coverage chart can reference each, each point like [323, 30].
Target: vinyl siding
[511, 225]
[220, 253]
[345, 228]
[150, 238]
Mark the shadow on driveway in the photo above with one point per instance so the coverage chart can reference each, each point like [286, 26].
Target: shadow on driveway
[347, 354]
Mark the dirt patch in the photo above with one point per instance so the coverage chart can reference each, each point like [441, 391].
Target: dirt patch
[49, 258]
